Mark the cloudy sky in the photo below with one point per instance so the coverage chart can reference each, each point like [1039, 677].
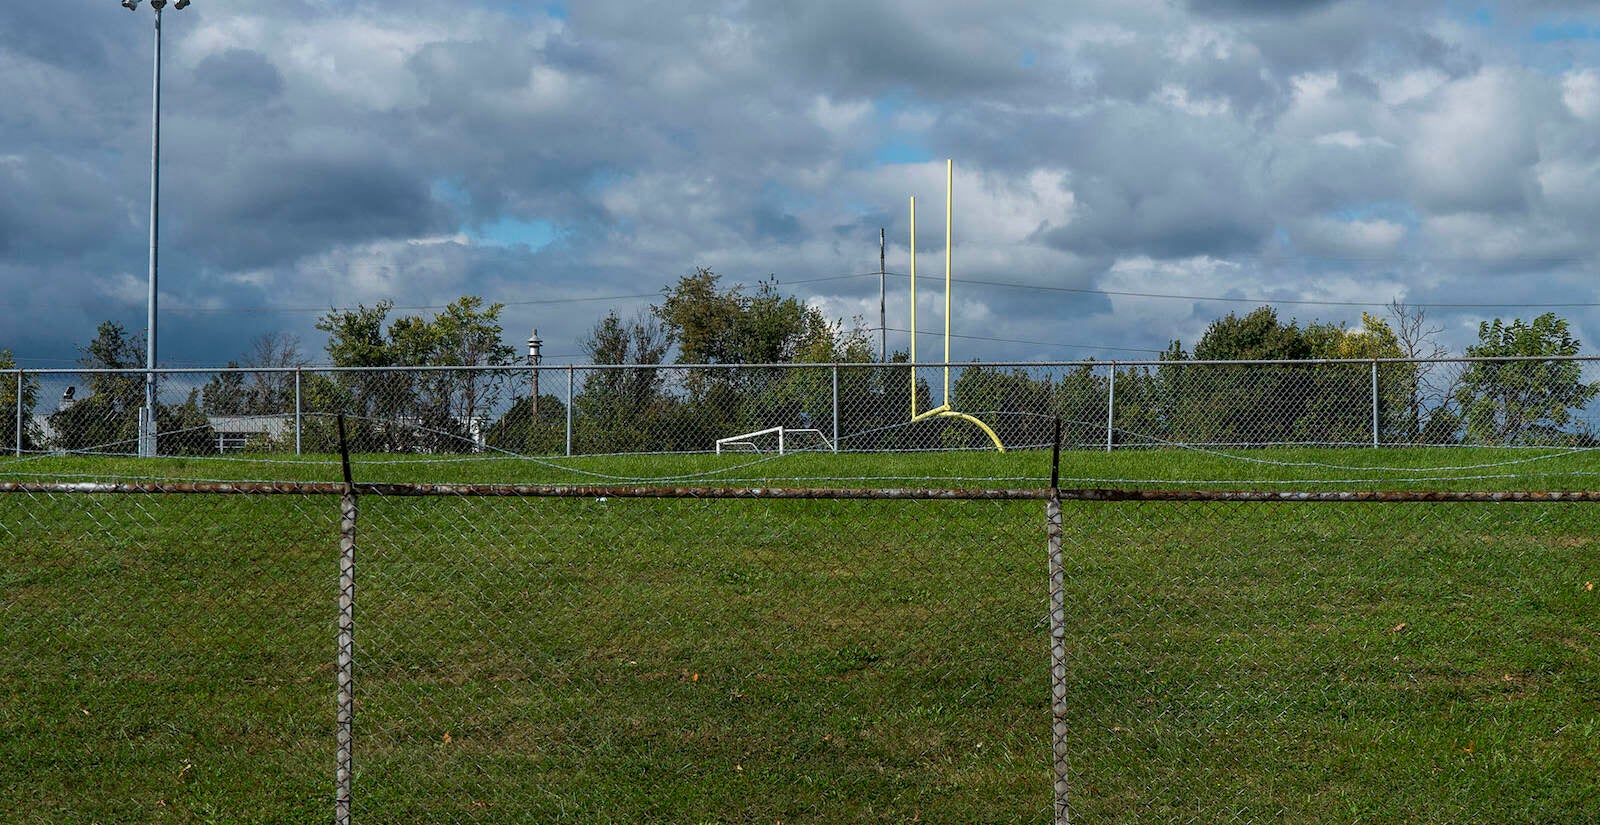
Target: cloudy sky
[1121, 165]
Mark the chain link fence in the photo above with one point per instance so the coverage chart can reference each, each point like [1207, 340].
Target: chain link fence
[1254, 658]
[481, 653]
[165, 658]
[593, 410]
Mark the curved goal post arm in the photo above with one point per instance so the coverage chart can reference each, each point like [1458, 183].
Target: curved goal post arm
[944, 411]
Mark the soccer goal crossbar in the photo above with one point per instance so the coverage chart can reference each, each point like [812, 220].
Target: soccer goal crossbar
[747, 441]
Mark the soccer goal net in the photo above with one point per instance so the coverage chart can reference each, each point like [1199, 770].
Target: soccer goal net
[778, 440]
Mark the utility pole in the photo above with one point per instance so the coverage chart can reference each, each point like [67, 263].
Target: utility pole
[883, 323]
[534, 357]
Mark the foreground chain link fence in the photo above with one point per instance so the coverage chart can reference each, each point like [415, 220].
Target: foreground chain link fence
[589, 410]
[166, 658]
[179, 652]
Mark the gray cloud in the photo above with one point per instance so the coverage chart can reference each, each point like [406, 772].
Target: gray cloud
[320, 153]
[1230, 8]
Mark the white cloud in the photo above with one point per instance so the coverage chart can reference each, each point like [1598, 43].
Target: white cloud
[1474, 149]
[1350, 140]
[1580, 90]
[839, 118]
[1372, 238]
[1398, 90]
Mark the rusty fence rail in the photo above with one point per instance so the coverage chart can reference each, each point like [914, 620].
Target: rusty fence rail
[485, 653]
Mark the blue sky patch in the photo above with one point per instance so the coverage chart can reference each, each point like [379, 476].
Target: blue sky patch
[513, 232]
[1570, 30]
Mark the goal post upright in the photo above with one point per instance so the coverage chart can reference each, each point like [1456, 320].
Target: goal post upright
[945, 409]
[949, 215]
[913, 307]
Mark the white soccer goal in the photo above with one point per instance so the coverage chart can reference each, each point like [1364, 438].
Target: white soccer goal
[777, 439]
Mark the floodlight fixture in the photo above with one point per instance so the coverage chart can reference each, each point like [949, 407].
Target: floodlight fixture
[130, 5]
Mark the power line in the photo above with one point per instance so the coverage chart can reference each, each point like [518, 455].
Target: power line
[971, 281]
[1060, 344]
[534, 302]
[1295, 301]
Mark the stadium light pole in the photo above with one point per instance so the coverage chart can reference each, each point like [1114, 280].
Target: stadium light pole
[148, 427]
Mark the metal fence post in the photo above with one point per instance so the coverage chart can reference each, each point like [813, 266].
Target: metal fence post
[569, 410]
[344, 731]
[1058, 656]
[836, 408]
[1111, 407]
[1374, 402]
[19, 413]
[297, 407]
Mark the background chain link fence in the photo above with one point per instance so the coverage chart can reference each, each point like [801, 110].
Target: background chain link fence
[593, 410]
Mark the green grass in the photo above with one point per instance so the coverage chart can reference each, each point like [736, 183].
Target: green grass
[169, 658]
[1450, 468]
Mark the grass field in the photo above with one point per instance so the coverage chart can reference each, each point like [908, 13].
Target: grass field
[1447, 468]
[170, 658]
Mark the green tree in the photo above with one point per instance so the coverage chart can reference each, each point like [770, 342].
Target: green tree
[397, 410]
[1258, 336]
[623, 410]
[1338, 404]
[1256, 404]
[520, 431]
[1009, 401]
[184, 429]
[1529, 401]
[710, 324]
[1243, 404]
[106, 418]
[225, 393]
[9, 407]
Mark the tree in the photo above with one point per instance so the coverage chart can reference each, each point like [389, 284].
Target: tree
[1017, 398]
[519, 431]
[1339, 398]
[710, 324]
[256, 393]
[1523, 402]
[225, 394]
[1429, 392]
[106, 418]
[13, 406]
[396, 410]
[465, 334]
[622, 410]
[1244, 404]
[714, 326]
[1258, 336]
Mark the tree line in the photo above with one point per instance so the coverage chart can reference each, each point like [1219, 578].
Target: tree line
[644, 404]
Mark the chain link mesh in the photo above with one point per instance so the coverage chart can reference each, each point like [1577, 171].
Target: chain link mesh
[593, 410]
[626, 660]
[687, 656]
[1315, 662]
[165, 658]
